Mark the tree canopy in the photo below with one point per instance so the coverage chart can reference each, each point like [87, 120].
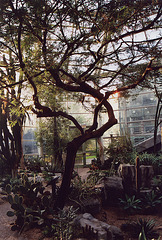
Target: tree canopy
[81, 46]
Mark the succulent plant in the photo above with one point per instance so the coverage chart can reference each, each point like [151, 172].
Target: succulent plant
[29, 203]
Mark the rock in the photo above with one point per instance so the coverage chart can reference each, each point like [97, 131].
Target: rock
[104, 231]
[116, 232]
[88, 222]
[147, 174]
[113, 190]
[127, 173]
[91, 205]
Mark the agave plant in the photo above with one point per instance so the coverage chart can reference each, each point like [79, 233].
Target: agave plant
[130, 204]
[142, 229]
[151, 201]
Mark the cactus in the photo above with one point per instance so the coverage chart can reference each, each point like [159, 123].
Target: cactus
[28, 203]
[10, 199]
[8, 188]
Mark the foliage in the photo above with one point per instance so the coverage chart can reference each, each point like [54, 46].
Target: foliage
[143, 229]
[157, 183]
[153, 160]
[148, 203]
[30, 204]
[12, 114]
[130, 204]
[120, 150]
[97, 175]
[34, 164]
[96, 164]
[88, 48]
[151, 201]
[83, 190]
[63, 224]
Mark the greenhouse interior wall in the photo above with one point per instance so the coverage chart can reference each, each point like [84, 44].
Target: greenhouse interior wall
[135, 114]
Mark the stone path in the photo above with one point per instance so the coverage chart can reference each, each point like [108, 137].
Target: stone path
[83, 172]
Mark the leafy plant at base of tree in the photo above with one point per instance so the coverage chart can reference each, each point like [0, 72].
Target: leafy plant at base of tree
[32, 207]
[130, 204]
[82, 190]
[143, 229]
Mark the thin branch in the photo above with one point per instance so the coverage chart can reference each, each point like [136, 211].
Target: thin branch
[132, 32]
[131, 86]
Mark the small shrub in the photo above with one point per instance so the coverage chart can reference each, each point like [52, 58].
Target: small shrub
[63, 224]
[157, 183]
[142, 229]
[34, 164]
[82, 190]
[153, 160]
[130, 204]
[97, 175]
[151, 201]
[119, 151]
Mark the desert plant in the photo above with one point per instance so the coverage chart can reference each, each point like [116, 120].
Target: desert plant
[130, 204]
[29, 203]
[151, 201]
[157, 183]
[63, 224]
[153, 160]
[82, 190]
[97, 175]
[143, 229]
[26, 217]
[34, 164]
[120, 150]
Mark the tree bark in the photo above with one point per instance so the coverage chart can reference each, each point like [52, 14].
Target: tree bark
[69, 167]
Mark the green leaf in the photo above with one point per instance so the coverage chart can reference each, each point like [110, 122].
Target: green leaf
[10, 214]
[10, 199]
[15, 206]
[41, 221]
[8, 188]
[17, 198]
[29, 218]
[28, 210]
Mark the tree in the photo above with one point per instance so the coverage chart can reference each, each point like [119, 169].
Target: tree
[11, 117]
[83, 47]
